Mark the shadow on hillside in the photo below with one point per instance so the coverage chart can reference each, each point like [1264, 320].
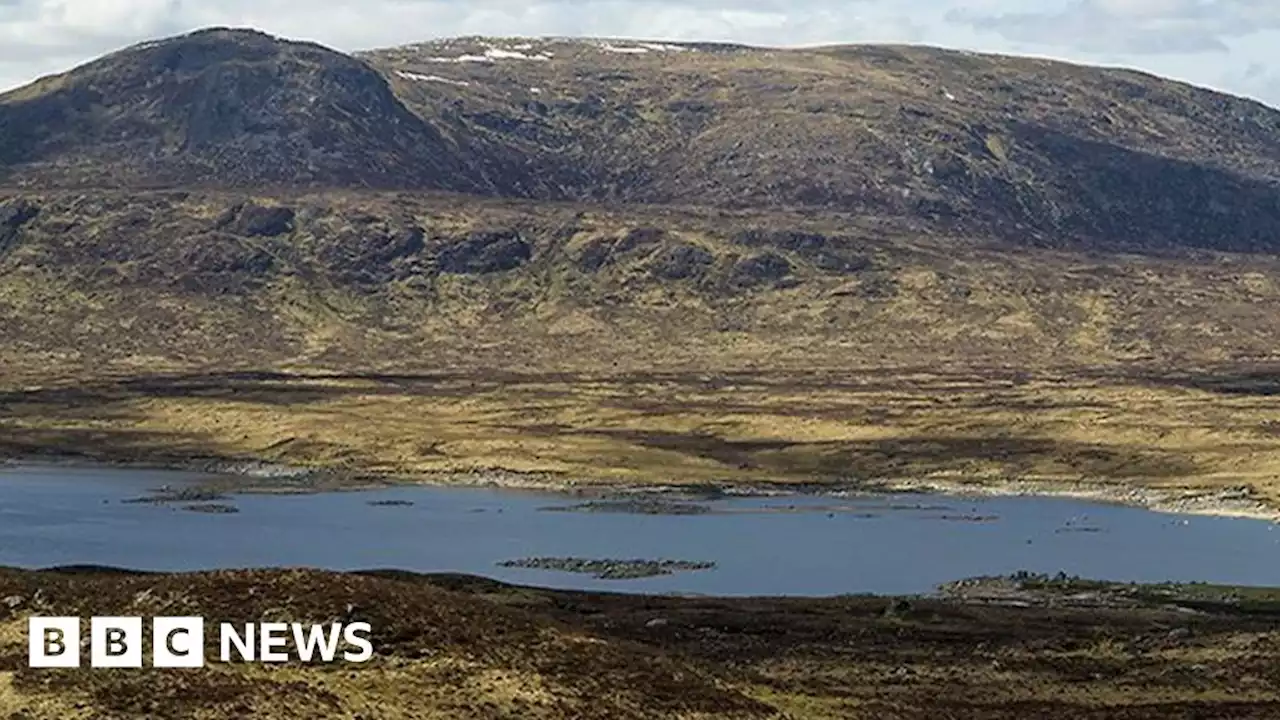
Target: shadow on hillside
[108, 393]
[101, 445]
[286, 388]
[1260, 382]
[907, 456]
[1123, 199]
[272, 388]
[98, 419]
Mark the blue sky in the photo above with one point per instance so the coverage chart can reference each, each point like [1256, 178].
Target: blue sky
[1232, 45]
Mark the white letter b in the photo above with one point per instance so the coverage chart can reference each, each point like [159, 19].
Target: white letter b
[116, 642]
[53, 642]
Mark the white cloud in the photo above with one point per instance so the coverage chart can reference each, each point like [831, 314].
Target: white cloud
[1227, 44]
[1132, 26]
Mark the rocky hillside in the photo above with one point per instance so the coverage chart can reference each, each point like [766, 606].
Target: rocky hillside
[226, 108]
[254, 200]
[1030, 151]
[354, 280]
[454, 646]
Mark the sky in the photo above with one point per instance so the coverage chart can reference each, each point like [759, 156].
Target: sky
[1230, 45]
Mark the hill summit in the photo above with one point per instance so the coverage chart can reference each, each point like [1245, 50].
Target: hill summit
[626, 202]
[223, 107]
[670, 262]
[1031, 151]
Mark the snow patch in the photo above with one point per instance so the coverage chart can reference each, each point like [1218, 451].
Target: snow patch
[491, 55]
[627, 50]
[662, 47]
[431, 78]
[457, 59]
[639, 48]
[500, 54]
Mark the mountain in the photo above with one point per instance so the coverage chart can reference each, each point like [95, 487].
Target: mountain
[1033, 152]
[613, 203]
[225, 108]
[644, 262]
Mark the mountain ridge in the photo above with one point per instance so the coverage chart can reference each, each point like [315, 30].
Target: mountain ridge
[660, 266]
[847, 204]
[1030, 150]
[224, 107]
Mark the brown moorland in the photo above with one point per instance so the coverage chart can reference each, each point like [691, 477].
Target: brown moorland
[640, 262]
[461, 647]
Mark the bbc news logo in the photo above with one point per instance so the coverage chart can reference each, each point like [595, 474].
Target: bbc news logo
[179, 642]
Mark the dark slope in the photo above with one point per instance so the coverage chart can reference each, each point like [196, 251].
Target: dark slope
[624, 202]
[225, 107]
[467, 648]
[1031, 151]
[357, 279]
[1034, 152]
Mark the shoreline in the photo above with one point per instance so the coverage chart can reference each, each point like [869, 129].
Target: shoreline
[262, 477]
[1228, 502]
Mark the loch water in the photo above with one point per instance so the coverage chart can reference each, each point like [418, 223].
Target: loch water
[780, 545]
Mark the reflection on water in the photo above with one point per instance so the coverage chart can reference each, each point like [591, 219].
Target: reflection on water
[774, 545]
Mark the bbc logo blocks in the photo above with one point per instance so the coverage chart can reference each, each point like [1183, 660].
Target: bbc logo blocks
[53, 642]
[115, 642]
[179, 642]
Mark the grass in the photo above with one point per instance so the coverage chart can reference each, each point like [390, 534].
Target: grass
[960, 349]
[913, 357]
[674, 428]
[459, 647]
[927, 357]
